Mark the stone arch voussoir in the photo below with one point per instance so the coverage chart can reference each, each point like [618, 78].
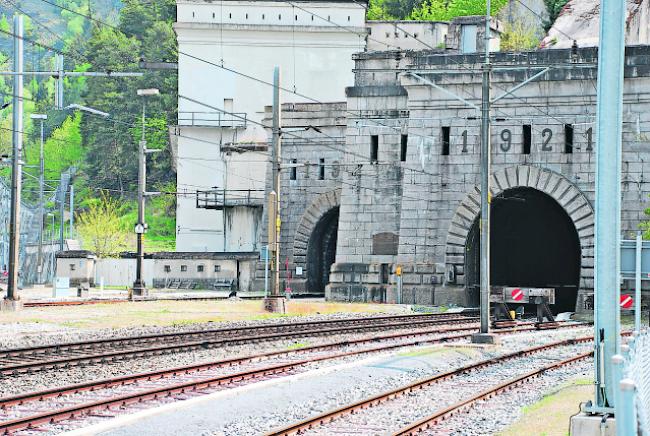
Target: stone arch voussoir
[569, 196]
[318, 207]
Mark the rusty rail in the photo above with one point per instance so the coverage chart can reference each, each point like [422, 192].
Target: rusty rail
[32, 421]
[20, 360]
[327, 417]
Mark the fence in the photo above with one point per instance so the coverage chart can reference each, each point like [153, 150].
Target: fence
[632, 389]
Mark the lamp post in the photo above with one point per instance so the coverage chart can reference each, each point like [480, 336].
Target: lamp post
[41, 206]
[139, 288]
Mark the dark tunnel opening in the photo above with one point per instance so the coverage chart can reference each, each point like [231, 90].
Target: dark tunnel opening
[533, 243]
[321, 251]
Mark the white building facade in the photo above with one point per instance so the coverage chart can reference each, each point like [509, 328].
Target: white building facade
[222, 153]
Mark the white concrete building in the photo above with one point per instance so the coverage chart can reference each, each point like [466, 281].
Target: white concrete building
[221, 158]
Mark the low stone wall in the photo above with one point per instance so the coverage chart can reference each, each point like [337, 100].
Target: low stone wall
[356, 282]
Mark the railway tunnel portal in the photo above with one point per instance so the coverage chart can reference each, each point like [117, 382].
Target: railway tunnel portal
[542, 235]
[533, 243]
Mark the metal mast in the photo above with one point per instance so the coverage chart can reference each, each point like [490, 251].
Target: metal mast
[607, 267]
[16, 173]
[485, 188]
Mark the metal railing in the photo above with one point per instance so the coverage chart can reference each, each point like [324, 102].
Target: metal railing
[632, 389]
[219, 198]
[212, 119]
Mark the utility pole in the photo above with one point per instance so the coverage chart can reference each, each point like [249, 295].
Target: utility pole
[275, 302]
[62, 213]
[609, 122]
[41, 205]
[12, 300]
[71, 229]
[484, 336]
[139, 287]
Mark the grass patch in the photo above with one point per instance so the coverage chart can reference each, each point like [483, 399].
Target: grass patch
[551, 415]
[298, 345]
[166, 312]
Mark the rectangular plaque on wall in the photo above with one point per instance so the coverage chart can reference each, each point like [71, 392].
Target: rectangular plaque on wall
[385, 243]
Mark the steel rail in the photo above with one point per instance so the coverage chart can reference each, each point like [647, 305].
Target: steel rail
[104, 356]
[117, 381]
[33, 421]
[52, 416]
[447, 412]
[329, 416]
[220, 331]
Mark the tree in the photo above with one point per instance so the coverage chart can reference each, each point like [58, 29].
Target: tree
[518, 37]
[443, 10]
[100, 229]
[377, 11]
[431, 10]
[463, 8]
[554, 7]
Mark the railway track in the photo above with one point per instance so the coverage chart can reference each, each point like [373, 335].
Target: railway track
[65, 403]
[21, 360]
[432, 420]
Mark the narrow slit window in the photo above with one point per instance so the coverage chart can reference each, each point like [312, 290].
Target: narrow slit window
[403, 147]
[294, 170]
[527, 134]
[446, 136]
[568, 138]
[374, 148]
[321, 169]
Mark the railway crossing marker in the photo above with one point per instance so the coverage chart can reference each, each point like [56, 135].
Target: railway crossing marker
[626, 301]
[517, 294]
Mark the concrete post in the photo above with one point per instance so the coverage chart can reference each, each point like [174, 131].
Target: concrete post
[275, 303]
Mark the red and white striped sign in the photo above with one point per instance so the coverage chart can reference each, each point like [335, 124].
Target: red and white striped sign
[517, 294]
[626, 301]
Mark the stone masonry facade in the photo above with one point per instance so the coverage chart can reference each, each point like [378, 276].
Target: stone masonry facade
[405, 164]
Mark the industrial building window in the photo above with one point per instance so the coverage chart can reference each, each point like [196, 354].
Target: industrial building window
[446, 136]
[374, 148]
[217, 268]
[200, 268]
[293, 174]
[183, 268]
[321, 169]
[168, 268]
[527, 134]
[568, 138]
[402, 150]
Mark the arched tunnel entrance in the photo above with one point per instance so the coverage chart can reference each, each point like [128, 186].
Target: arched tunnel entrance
[533, 243]
[321, 251]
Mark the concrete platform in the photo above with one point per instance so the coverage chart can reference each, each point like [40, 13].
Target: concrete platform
[484, 338]
[592, 425]
[10, 305]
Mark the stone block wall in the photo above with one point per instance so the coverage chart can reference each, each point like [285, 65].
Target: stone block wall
[438, 197]
[312, 132]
